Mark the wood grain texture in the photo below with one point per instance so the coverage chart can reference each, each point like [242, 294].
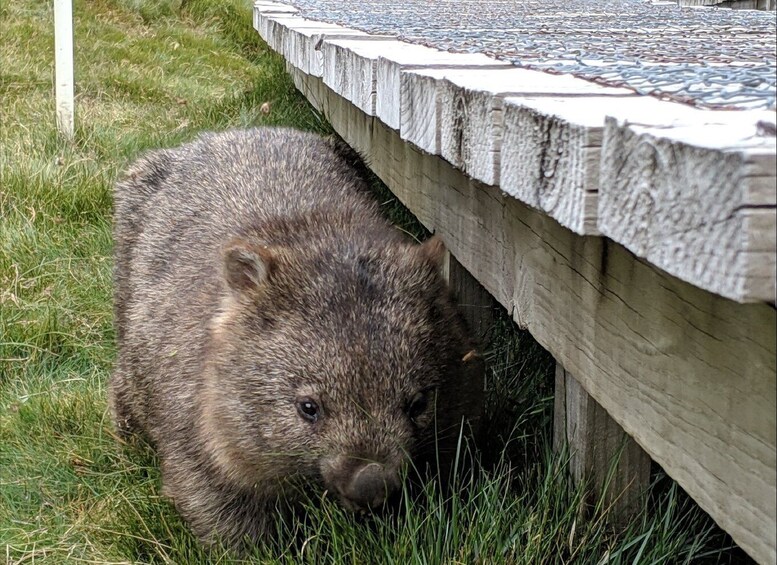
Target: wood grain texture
[697, 202]
[372, 70]
[551, 147]
[299, 40]
[266, 8]
[550, 159]
[612, 465]
[363, 68]
[420, 107]
[471, 112]
[688, 374]
[350, 68]
[406, 56]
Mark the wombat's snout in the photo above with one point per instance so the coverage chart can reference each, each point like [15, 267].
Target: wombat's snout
[370, 486]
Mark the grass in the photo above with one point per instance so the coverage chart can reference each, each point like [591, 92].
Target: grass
[154, 73]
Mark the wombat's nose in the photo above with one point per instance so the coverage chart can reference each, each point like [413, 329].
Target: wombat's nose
[371, 486]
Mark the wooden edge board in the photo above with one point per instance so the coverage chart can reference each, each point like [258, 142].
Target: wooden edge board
[686, 199]
[688, 374]
[551, 148]
[419, 115]
[375, 69]
[407, 57]
[350, 68]
[471, 111]
[268, 7]
[460, 114]
[299, 40]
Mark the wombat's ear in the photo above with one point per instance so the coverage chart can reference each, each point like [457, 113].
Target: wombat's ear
[433, 250]
[247, 266]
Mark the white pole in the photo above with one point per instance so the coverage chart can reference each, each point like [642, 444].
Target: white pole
[63, 56]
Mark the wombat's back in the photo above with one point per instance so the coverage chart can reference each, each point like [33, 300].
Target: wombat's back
[228, 182]
[174, 211]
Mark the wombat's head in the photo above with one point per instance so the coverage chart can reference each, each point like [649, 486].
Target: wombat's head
[340, 369]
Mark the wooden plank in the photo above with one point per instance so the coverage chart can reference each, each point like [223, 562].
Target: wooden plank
[299, 40]
[698, 202]
[550, 155]
[350, 68]
[688, 374]
[420, 108]
[601, 455]
[266, 8]
[471, 115]
[399, 59]
[368, 73]
[63, 56]
[269, 7]
[551, 148]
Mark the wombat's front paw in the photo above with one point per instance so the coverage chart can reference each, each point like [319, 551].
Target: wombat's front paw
[119, 406]
[218, 515]
[125, 426]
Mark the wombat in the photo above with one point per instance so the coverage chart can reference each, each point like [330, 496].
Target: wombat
[275, 332]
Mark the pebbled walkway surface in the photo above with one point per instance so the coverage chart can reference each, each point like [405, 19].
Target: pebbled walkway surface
[708, 57]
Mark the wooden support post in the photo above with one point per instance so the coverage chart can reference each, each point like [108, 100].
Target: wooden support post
[63, 56]
[475, 303]
[600, 451]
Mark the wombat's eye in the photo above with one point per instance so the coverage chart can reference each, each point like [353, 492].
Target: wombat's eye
[308, 409]
[417, 405]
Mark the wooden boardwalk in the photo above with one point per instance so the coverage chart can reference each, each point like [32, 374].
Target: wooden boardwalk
[633, 235]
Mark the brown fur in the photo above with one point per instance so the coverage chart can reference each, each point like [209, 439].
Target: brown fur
[253, 271]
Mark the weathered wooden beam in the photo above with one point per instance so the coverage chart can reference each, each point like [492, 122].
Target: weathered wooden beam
[350, 69]
[472, 118]
[299, 40]
[403, 57]
[601, 455]
[552, 148]
[686, 373]
[367, 72]
[697, 201]
[420, 108]
[475, 303]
